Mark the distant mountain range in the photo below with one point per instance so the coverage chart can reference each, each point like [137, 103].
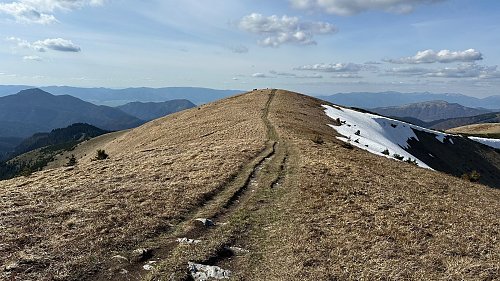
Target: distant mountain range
[384, 99]
[430, 110]
[153, 110]
[463, 121]
[115, 97]
[33, 110]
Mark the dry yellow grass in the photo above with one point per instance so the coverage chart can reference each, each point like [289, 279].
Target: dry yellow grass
[481, 129]
[63, 223]
[335, 214]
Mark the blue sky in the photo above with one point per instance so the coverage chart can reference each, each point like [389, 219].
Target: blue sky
[312, 46]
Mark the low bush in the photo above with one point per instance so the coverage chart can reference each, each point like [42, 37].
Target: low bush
[473, 176]
[101, 155]
[317, 139]
[72, 161]
[397, 156]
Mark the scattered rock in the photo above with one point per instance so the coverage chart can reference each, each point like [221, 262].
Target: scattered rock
[201, 272]
[206, 222]
[120, 258]
[140, 255]
[124, 271]
[238, 250]
[149, 266]
[188, 241]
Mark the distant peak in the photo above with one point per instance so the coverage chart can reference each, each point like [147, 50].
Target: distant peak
[33, 91]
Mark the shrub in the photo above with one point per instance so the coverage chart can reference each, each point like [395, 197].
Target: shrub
[101, 155]
[385, 152]
[473, 176]
[411, 161]
[397, 156]
[72, 161]
[317, 139]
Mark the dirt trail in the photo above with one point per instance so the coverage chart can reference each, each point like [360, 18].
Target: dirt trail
[266, 171]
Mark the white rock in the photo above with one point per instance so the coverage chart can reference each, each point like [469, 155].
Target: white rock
[206, 222]
[201, 272]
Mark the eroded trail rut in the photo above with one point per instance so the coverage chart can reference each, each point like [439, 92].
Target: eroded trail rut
[218, 239]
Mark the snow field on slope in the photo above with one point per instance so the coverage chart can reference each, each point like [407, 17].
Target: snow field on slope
[376, 133]
[495, 143]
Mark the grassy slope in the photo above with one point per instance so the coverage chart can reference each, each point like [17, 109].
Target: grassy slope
[486, 129]
[348, 214]
[63, 224]
[335, 213]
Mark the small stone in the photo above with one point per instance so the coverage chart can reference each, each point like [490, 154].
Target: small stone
[206, 222]
[120, 258]
[201, 272]
[238, 250]
[140, 254]
[124, 271]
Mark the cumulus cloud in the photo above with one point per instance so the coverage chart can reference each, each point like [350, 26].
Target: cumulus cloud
[56, 44]
[351, 7]
[41, 11]
[443, 56]
[337, 67]
[276, 31]
[470, 70]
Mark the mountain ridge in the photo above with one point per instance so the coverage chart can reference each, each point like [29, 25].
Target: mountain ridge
[430, 110]
[148, 111]
[390, 98]
[39, 111]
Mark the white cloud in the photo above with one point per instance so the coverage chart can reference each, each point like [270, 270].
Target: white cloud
[41, 11]
[56, 44]
[276, 31]
[337, 67]
[351, 7]
[443, 56]
[32, 58]
[470, 70]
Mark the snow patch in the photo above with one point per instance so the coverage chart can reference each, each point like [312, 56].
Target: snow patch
[374, 133]
[495, 143]
[440, 137]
